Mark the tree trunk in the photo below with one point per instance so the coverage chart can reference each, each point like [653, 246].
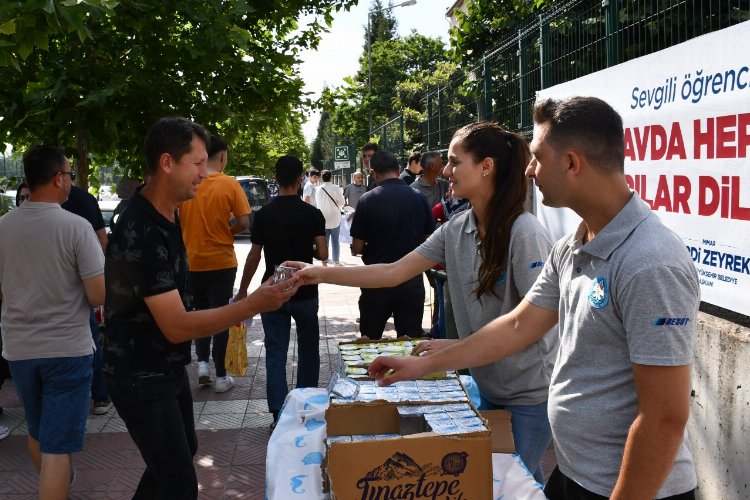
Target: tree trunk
[82, 160]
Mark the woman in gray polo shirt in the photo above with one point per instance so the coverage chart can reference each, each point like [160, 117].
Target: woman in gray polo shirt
[492, 254]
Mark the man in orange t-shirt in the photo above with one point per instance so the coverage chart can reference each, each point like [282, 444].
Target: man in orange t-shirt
[209, 240]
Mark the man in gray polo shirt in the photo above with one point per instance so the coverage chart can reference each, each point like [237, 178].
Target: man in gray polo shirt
[51, 270]
[430, 183]
[626, 296]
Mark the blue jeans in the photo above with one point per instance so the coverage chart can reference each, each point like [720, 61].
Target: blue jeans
[332, 237]
[158, 411]
[440, 299]
[531, 433]
[213, 289]
[277, 326]
[99, 390]
[55, 397]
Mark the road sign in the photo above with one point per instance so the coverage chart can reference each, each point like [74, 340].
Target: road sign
[338, 165]
[341, 153]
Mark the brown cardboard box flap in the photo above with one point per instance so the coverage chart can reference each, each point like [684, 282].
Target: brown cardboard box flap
[502, 435]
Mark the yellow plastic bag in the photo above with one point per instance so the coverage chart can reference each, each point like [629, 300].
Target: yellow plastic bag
[236, 356]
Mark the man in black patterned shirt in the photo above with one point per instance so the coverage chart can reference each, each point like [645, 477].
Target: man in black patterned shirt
[149, 328]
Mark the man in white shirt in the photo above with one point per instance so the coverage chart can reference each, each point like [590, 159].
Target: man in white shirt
[330, 201]
[308, 192]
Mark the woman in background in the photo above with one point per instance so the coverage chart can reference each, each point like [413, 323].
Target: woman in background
[23, 192]
[492, 253]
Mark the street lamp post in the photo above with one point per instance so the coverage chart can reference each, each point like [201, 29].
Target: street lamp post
[406, 3]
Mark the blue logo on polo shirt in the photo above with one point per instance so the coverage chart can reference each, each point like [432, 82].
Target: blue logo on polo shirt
[500, 281]
[671, 321]
[536, 264]
[599, 292]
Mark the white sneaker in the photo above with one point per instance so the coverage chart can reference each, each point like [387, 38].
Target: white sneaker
[204, 373]
[223, 384]
[4, 432]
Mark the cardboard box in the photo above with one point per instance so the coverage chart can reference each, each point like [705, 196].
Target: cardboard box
[421, 465]
[425, 465]
[502, 435]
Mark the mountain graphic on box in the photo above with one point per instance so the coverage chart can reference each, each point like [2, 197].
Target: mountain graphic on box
[399, 466]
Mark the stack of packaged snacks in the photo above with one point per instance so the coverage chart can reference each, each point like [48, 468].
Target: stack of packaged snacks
[357, 356]
[347, 391]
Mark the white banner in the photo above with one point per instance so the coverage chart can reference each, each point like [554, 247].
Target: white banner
[686, 112]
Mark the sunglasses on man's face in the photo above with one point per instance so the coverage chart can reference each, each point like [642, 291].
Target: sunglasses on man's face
[71, 173]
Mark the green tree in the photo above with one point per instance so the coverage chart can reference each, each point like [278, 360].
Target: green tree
[382, 24]
[325, 140]
[254, 152]
[410, 59]
[488, 23]
[97, 74]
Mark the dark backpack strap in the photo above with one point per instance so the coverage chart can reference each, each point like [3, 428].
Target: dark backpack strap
[331, 197]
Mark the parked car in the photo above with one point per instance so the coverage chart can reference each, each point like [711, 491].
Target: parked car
[108, 208]
[256, 190]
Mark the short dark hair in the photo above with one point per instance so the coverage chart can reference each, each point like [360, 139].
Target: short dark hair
[370, 146]
[325, 175]
[41, 163]
[22, 185]
[414, 157]
[384, 161]
[314, 172]
[587, 123]
[172, 135]
[427, 158]
[288, 169]
[217, 146]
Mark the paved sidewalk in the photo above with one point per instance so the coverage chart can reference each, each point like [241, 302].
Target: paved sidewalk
[233, 427]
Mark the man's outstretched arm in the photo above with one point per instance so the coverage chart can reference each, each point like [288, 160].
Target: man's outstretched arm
[506, 335]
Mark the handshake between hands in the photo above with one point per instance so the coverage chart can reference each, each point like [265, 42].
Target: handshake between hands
[279, 288]
[284, 283]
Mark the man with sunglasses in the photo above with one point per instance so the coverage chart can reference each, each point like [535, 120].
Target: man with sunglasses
[84, 205]
[51, 272]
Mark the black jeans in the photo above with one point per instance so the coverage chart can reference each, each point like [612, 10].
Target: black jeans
[561, 487]
[158, 412]
[405, 302]
[213, 289]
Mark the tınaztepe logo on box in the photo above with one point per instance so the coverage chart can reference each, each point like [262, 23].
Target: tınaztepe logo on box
[401, 478]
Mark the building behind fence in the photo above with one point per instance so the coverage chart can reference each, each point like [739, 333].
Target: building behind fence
[572, 39]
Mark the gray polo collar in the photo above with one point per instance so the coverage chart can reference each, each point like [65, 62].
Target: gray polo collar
[616, 231]
[471, 222]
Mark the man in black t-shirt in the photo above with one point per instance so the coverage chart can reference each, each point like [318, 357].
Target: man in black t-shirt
[149, 328]
[391, 221]
[84, 205]
[412, 170]
[286, 229]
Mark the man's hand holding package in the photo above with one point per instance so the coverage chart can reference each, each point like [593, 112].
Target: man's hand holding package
[269, 297]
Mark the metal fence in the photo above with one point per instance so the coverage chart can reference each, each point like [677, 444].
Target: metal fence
[570, 40]
[391, 135]
[10, 168]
